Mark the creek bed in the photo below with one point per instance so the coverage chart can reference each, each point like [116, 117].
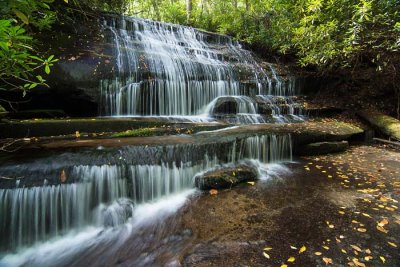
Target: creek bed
[329, 204]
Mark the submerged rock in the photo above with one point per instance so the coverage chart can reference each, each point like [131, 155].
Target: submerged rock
[226, 177]
[323, 148]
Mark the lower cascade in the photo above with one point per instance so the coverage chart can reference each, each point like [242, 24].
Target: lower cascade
[106, 195]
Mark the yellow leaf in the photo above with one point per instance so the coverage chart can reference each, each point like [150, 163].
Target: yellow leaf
[66, 1]
[326, 247]
[368, 251]
[267, 248]
[382, 259]
[266, 255]
[291, 259]
[344, 251]
[251, 183]
[318, 253]
[284, 265]
[327, 260]
[362, 230]
[392, 244]
[366, 215]
[302, 249]
[368, 258]
[77, 134]
[21, 16]
[292, 247]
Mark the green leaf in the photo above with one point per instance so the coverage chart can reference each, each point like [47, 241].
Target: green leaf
[47, 69]
[33, 85]
[21, 16]
[66, 1]
[37, 58]
[50, 58]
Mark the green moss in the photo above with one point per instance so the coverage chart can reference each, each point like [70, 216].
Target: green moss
[135, 133]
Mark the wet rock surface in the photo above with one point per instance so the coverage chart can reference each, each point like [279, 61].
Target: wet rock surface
[322, 148]
[332, 205]
[226, 177]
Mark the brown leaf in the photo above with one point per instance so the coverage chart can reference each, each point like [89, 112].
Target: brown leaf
[213, 192]
[356, 248]
[383, 230]
[357, 263]
[63, 176]
[383, 222]
[327, 260]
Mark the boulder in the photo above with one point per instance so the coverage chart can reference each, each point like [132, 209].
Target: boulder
[226, 177]
[387, 125]
[225, 105]
[323, 148]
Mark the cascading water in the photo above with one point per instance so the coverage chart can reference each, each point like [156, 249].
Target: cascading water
[106, 194]
[172, 70]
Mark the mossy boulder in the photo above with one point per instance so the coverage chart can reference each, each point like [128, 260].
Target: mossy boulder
[322, 148]
[387, 125]
[226, 177]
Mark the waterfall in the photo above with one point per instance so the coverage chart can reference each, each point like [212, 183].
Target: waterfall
[106, 194]
[172, 70]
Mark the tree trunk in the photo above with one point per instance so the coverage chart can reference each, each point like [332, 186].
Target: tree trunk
[189, 8]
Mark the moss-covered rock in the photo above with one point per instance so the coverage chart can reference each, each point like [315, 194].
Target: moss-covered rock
[387, 125]
[226, 177]
[322, 148]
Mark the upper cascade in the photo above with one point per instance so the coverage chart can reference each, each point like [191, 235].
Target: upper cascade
[170, 70]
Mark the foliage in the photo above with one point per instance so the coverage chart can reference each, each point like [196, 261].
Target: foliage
[18, 58]
[323, 33]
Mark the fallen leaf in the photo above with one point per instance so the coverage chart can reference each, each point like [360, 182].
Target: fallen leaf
[291, 259]
[267, 248]
[77, 134]
[368, 258]
[392, 244]
[383, 230]
[213, 192]
[63, 176]
[251, 183]
[326, 247]
[284, 265]
[368, 251]
[318, 253]
[327, 260]
[358, 263]
[292, 247]
[356, 248]
[383, 222]
[302, 249]
[362, 230]
[344, 251]
[266, 255]
[382, 259]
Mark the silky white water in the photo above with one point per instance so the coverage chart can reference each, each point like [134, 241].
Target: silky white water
[171, 70]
